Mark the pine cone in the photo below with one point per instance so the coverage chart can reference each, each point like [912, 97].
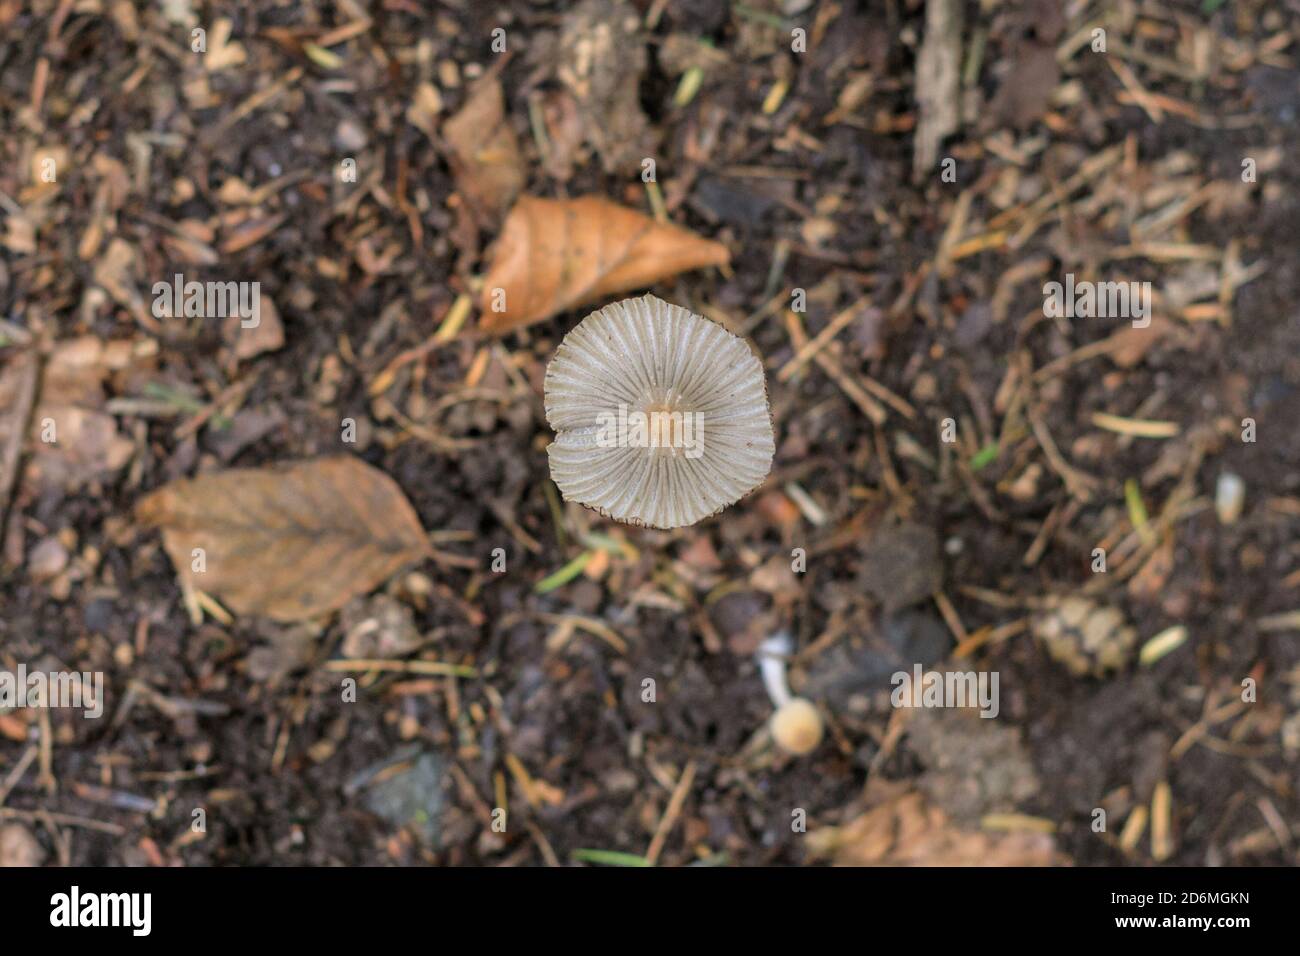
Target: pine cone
[1090, 640]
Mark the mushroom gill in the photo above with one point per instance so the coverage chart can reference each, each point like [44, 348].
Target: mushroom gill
[661, 416]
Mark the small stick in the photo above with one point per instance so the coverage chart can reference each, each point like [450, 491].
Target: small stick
[671, 814]
[818, 341]
[543, 844]
[16, 774]
[1077, 482]
[865, 403]
[63, 819]
[254, 103]
[409, 667]
[19, 419]
[951, 618]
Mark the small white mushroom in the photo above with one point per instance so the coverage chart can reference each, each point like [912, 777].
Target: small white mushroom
[661, 416]
[796, 725]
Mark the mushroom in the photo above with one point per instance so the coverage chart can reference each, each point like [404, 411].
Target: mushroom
[661, 416]
[796, 725]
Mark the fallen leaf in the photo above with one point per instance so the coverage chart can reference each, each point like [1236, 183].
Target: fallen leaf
[247, 341]
[1023, 97]
[778, 509]
[72, 439]
[564, 132]
[48, 164]
[117, 272]
[223, 54]
[907, 830]
[485, 153]
[1130, 344]
[601, 59]
[554, 254]
[290, 541]
[422, 113]
[235, 192]
[20, 234]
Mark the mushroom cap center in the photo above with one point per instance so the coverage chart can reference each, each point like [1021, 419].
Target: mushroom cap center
[671, 425]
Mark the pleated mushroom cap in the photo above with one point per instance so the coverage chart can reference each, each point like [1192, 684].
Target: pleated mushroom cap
[698, 388]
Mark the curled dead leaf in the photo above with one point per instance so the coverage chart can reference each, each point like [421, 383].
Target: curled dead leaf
[267, 335]
[290, 541]
[72, 438]
[554, 254]
[485, 153]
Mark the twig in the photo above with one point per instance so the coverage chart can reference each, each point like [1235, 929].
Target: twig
[19, 418]
[254, 103]
[818, 341]
[1077, 482]
[868, 405]
[16, 774]
[408, 667]
[63, 819]
[671, 814]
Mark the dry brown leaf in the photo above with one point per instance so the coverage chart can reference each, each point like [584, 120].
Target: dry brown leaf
[20, 234]
[223, 54]
[1130, 344]
[423, 111]
[906, 830]
[1026, 91]
[71, 438]
[288, 542]
[117, 273]
[564, 133]
[600, 60]
[485, 153]
[557, 253]
[266, 336]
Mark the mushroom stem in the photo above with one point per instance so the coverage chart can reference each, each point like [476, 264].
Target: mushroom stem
[772, 655]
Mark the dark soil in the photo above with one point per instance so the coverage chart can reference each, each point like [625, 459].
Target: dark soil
[243, 720]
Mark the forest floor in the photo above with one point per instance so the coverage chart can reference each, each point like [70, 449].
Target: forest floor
[950, 455]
